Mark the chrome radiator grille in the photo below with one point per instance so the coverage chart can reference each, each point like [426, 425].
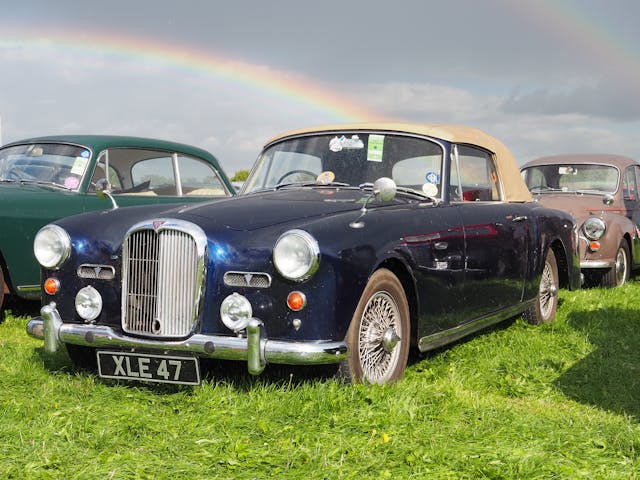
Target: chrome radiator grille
[162, 276]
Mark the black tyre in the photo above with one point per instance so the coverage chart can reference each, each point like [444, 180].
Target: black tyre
[544, 309]
[379, 335]
[83, 358]
[619, 273]
[1, 288]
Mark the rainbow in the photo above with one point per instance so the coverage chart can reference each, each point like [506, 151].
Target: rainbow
[286, 87]
[586, 33]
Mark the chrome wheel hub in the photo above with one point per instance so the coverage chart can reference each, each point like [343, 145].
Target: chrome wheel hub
[379, 335]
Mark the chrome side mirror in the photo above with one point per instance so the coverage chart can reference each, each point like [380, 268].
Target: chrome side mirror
[103, 190]
[608, 199]
[385, 188]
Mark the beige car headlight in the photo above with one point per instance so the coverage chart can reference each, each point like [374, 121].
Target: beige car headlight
[594, 228]
[296, 255]
[51, 246]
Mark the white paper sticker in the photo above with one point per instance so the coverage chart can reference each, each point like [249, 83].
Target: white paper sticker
[79, 165]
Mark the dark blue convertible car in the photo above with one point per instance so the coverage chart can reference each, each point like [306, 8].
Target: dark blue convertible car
[349, 245]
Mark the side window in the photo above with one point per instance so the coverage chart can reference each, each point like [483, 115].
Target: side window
[414, 172]
[136, 171]
[199, 178]
[630, 188]
[474, 177]
[153, 176]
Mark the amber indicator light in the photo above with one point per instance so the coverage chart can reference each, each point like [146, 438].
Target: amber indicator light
[296, 301]
[51, 286]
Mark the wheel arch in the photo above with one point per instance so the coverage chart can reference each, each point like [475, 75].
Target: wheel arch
[562, 260]
[8, 285]
[400, 270]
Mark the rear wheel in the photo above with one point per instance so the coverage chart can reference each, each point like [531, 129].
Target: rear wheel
[379, 335]
[619, 273]
[544, 309]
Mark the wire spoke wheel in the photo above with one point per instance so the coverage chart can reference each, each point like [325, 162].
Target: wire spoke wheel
[548, 291]
[380, 332]
[546, 304]
[379, 335]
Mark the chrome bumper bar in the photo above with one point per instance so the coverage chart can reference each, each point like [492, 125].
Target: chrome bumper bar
[597, 263]
[255, 349]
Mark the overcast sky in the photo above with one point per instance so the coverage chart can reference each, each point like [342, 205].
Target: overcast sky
[544, 76]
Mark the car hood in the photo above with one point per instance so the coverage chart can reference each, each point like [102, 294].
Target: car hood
[258, 210]
[578, 205]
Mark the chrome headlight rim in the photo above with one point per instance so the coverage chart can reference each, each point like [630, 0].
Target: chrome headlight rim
[594, 228]
[52, 246]
[282, 261]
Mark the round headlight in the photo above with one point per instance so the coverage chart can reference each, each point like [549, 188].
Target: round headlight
[51, 246]
[594, 228]
[235, 312]
[296, 255]
[88, 303]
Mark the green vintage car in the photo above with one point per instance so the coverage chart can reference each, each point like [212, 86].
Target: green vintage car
[46, 178]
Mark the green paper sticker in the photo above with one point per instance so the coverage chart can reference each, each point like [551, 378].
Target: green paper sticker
[79, 165]
[375, 148]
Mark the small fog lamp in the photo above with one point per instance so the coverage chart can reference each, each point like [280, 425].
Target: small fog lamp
[88, 303]
[235, 312]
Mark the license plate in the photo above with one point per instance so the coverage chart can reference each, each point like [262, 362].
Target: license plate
[149, 367]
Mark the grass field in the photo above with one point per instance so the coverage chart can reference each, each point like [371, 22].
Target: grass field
[516, 402]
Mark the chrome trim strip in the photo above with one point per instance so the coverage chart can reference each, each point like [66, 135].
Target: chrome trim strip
[31, 292]
[430, 342]
[257, 350]
[597, 263]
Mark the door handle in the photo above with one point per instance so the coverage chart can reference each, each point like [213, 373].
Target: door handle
[520, 218]
[441, 245]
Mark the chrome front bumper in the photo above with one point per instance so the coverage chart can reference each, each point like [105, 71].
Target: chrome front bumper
[255, 349]
[597, 263]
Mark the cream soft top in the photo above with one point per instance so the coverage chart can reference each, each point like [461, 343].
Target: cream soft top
[513, 186]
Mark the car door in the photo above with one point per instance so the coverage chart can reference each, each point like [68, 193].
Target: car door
[495, 235]
[632, 206]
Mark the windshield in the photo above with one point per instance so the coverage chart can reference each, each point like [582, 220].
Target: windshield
[50, 163]
[571, 178]
[353, 158]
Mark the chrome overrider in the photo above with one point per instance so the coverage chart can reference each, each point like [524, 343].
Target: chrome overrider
[255, 348]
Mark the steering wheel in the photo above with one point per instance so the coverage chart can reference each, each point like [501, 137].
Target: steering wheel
[293, 172]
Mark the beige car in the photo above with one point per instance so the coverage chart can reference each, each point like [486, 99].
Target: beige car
[601, 192]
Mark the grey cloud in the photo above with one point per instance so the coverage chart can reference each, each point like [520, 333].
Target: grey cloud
[605, 100]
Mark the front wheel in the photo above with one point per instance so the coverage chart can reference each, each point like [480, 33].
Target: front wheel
[619, 273]
[379, 335]
[544, 309]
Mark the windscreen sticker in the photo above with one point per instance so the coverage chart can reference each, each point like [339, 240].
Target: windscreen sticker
[567, 170]
[85, 154]
[72, 182]
[375, 148]
[335, 145]
[430, 189]
[79, 165]
[352, 143]
[432, 177]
